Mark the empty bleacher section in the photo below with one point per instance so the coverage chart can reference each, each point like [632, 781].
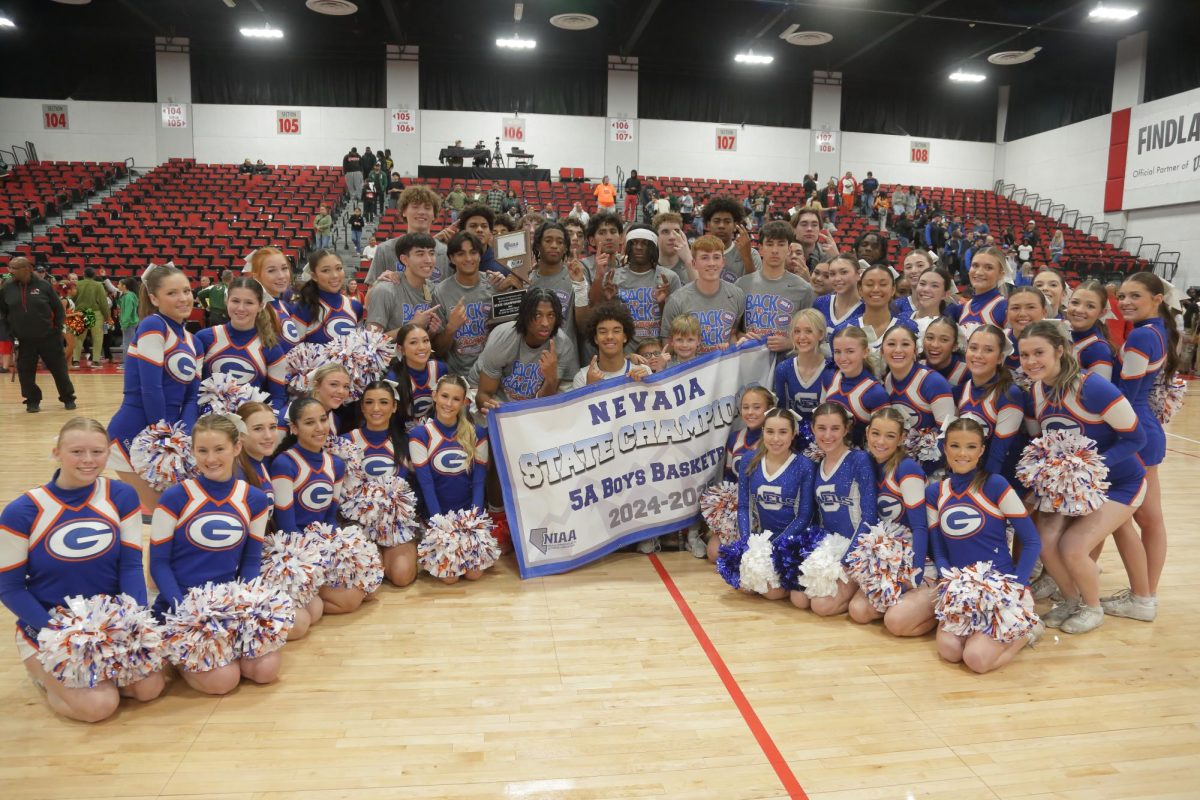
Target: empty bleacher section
[201, 216]
[34, 191]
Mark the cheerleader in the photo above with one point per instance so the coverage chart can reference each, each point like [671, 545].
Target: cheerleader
[271, 268]
[1062, 398]
[775, 486]
[843, 301]
[993, 400]
[932, 296]
[1026, 305]
[258, 443]
[844, 496]
[852, 385]
[44, 560]
[916, 391]
[247, 348]
[798, 378]
[743, 443]
[939, 351]
[210, 529]
[321, 309]
[1049, 282]
[308, 486]
[450, 456]
[968, 516]
[415, 373]
[877, 287]
[384, 441]
[1150, 354]
[1089, 335]
[899, 498]
[330, 385]
[160, 373]
[987, 305]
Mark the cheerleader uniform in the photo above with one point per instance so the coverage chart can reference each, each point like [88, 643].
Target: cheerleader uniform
[954, 371]
[900, 498]
[740, 446]
[338, 315]
[989, 308]
[264, 479]
[825, 304]
[241, 356]
[1002, 421]
[1013, 359]
[966, 526]
[291, 331]
[861, 395]
[379, 455]
[923, 397]
[845, 494]
[423, 382]
[307, 488]
[1093, 352]
[1094, 409]
[1142, 358]
[779, 502]
[802, 398]
[160, 384]
[56, 543]
[205, 530]
[876, 344]
[449, 477]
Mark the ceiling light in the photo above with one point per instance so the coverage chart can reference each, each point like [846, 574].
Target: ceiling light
[516, 43]
[5, 22]
[1103, 13]
[265, 32]
[967, 77]
[752, 58]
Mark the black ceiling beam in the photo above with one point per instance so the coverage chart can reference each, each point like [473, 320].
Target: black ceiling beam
[640, 27]
[871, 45]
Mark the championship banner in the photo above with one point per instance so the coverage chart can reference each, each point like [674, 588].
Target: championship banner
[608, 465]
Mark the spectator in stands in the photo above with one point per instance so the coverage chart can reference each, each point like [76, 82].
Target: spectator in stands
[810, 187]
[633, 191]
[495, 198]
[90, 296]
[261, 168]
[870, 185]
[952, 256]
[578, 213]
[352, 169]
[323, 225]
[246, 168]
[356, 291]
[900, 204]
[849, 188]
[386, 160]
[981, 228]
[883, 209]
[357, 224]
[1009, 238]
[379, 180]
[33, 314]
[649, 195]
[903, 227]
[687, 207]
[831, 199]
[214, 299]
[455, 202]
[1024, 252]
[661, 204]
[367, 162]
[370, 198]
[1030, 235]
[605, 194]
[936, 234]
[419, 205]
[1057, 245]
[723, 218]
[549, 213]
[127, 305]
[395, 187]
[512, 204]
[408, 299]
[368, 252]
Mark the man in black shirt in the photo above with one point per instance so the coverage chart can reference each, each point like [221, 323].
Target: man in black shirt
[352, 168]
[633, 190]
[32, 311]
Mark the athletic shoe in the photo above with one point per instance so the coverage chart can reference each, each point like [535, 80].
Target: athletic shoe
[1060, 613]
[70, 406]
[1043, 587]
[1087, 618]
[1127, 604]
[32, 408]
[1035, 634]
[94, 365]
[648, 546]
[695, 544]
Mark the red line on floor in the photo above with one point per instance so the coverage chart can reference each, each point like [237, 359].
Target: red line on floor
[1180, 452]
[774, 757]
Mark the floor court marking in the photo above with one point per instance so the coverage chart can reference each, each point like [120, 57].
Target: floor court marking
[1177, 436]
[774, 757]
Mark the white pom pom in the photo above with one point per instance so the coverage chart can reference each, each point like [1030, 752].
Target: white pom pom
[1167, 398]
[295, 562]
[353, 454]
[456, 542]
[718, 507]
[354, 561]
[881, 563]
[758, 568]
[921, 444]
[814, 453]
[199, 632]
[978, 599]
[365, 354]
[100, 638]
[1023, 381]
[267, 614]
[386, 508]
[1065, 472]
[222, 394]
[161, 455]
[820, 572]
[301, 361]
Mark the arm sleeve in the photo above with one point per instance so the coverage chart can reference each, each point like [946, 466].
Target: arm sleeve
[133, 579]
[418, 450]
[1104, 369]
[941, 556]
[943, 408]
[277, 383]
[384, 260]
[189, 409]
[251, 564]
[149, 366]
[912, 492]
[779, 384]
[864, 475]
[805, 510]
[1031, 544]
[283, 485]
[1008, 423]
[479, 471]
[743, 508]
[14, 553]
[162, 535]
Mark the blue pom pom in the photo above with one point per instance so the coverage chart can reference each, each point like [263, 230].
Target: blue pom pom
[790, 551]
[729, 561]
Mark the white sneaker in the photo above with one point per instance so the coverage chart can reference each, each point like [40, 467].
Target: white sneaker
[648, 546]
[695, 543]
[1043, 587]
[1035, 634]
[1060, 613]
[1087, 618]
[1127, 604]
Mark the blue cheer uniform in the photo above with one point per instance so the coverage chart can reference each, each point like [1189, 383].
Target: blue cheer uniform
[900, 498]
[450, 478]
[780, 502]
[739, 448]
[379, 454]
[241, 355]
[844, 493]
[307, 487]
[861, 395]
[834, 323]
[954, 371]
[337, 315]
[968, 525]
[1002, 418]
[1142, 359]
[1093, 352]
[988, 308]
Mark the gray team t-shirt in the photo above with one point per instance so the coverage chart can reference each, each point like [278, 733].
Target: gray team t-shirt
[560, 284]
[681, 271]
[507, 358]
[472, 336]
[771, 303]
[386, 259]
[718, 313]
[734, 268]
[390, 305]
[636, 291]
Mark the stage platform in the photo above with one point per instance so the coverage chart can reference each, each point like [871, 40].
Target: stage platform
[484, 173]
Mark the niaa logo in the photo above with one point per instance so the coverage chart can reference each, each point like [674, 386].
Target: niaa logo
[316, 496]
[215, 531]
[339, 326]
[181, 365]
[450, 462]
[959, 522]
[889, 507]
[1059, 422]
[80, 539]
[378, 466]
[236, 367]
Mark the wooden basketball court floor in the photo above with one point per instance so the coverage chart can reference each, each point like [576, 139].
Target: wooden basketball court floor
[635, 677]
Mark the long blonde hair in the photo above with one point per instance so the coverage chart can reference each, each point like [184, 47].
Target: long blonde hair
[464, 432]
[814, 318]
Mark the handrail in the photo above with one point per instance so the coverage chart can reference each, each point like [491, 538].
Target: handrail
[1130, 239]
[1073, 214]
[31, 148]
[1155, 246]
[21, 153]
[1062, 209]
[1105, 225]
[1079, 225]
[1169, 266]
[1114, 237]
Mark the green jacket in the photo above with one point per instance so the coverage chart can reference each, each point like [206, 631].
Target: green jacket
[127, 304]
[323, 223]
[90, 294]
[213, 298]
[456, 200]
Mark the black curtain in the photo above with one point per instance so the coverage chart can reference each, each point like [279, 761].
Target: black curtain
[270, 78]
[1172, 64]
[941, 111]
[1036, 106]
[752, 100]
[79, 67]
[454, 83]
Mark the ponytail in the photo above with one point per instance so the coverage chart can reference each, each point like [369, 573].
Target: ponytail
[266, 323]
[464, 434]
[152, 280]
[1155, 285]
[293, 414]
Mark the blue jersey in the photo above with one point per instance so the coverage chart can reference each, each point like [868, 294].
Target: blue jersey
[795, 393]
[900, 498]
[861, 395]
[56, 543]
[307, 486]
[833, 323]
[954, 371]
[291, 329]
[205, 530]
[242, 356]
[160, 380]
[988, 308]
[967, 525]
[451, 479]
[1002, 418]
[739, 448]
[922, 396]
[1142, 360]
[337, 315]
[423, 382]
[845, 494]
[780, 502]
[1093, 352]
[379, 454]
